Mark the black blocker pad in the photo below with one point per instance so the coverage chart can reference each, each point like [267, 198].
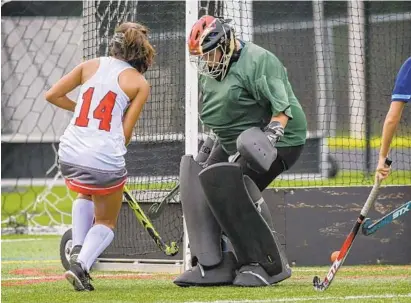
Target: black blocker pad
[232, 206]
[254, 146]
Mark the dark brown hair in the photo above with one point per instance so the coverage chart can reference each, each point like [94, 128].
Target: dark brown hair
[130, 43]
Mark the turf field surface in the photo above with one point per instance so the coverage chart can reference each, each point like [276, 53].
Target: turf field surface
[31, 272]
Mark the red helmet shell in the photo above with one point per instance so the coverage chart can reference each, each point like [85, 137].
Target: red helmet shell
[198, 32]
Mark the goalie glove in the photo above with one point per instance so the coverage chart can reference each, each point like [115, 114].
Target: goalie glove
[274, 131]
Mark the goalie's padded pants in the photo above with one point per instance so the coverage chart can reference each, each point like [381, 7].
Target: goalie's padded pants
[286, 158]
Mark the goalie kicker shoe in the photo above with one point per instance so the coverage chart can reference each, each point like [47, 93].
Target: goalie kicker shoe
[78, 277]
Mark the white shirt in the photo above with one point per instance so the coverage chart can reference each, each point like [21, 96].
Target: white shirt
[95, 138]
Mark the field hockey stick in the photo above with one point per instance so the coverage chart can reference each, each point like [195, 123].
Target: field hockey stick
[157, 208]
[171, 250]
[368, 227]
[345, 248]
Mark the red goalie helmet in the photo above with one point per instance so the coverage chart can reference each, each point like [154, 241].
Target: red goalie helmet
[211, 44]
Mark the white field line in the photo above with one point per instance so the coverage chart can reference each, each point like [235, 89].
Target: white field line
[61, 277]
[6, 262]
[22, 240]
[353, 269]
[300, 299]
[33, 278]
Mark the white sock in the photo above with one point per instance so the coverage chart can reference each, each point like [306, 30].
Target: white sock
[82, 219]
[97, 240]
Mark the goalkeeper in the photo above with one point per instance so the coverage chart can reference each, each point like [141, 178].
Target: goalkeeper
[401, 94]
[249, 104]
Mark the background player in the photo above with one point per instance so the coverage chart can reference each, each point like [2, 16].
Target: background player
[242, 86]
[91, 153]
[401, 94]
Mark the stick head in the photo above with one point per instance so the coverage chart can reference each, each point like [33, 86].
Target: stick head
[172, 250]
[320, 286]
[317, 284]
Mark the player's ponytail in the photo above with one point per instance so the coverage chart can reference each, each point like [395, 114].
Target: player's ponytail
[130, 43]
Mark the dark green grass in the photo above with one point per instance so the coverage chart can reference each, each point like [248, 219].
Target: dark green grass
[351, 281]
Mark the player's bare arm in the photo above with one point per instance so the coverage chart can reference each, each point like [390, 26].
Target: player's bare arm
[57, 94]
[392, 120]
[400, 96]
[138, 96]
[391, 123]
[282, 118]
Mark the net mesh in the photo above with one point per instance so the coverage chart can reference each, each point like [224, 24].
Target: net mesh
[36, 52]
[341, 58]
[154, 154]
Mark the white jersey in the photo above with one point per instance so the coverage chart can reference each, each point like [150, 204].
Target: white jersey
[95, 138]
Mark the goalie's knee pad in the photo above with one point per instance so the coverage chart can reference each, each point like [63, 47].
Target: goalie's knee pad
[232, 198]
[204, 232]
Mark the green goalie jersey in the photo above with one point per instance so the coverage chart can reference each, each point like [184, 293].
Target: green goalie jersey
[255, 89]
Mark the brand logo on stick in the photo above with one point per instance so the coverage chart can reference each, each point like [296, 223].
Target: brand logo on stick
[400, 211]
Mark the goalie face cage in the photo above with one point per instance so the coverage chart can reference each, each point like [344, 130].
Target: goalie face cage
[341, 58]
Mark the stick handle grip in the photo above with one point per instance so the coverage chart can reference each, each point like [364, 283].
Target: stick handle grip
[374, 192]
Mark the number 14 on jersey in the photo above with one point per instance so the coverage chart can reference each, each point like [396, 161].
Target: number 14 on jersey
[102, 112]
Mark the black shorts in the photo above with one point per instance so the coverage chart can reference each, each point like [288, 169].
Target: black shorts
[286, 158]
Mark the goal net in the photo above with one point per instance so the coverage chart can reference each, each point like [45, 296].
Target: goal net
[154, 154]
[37, 49]
[341, 58]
